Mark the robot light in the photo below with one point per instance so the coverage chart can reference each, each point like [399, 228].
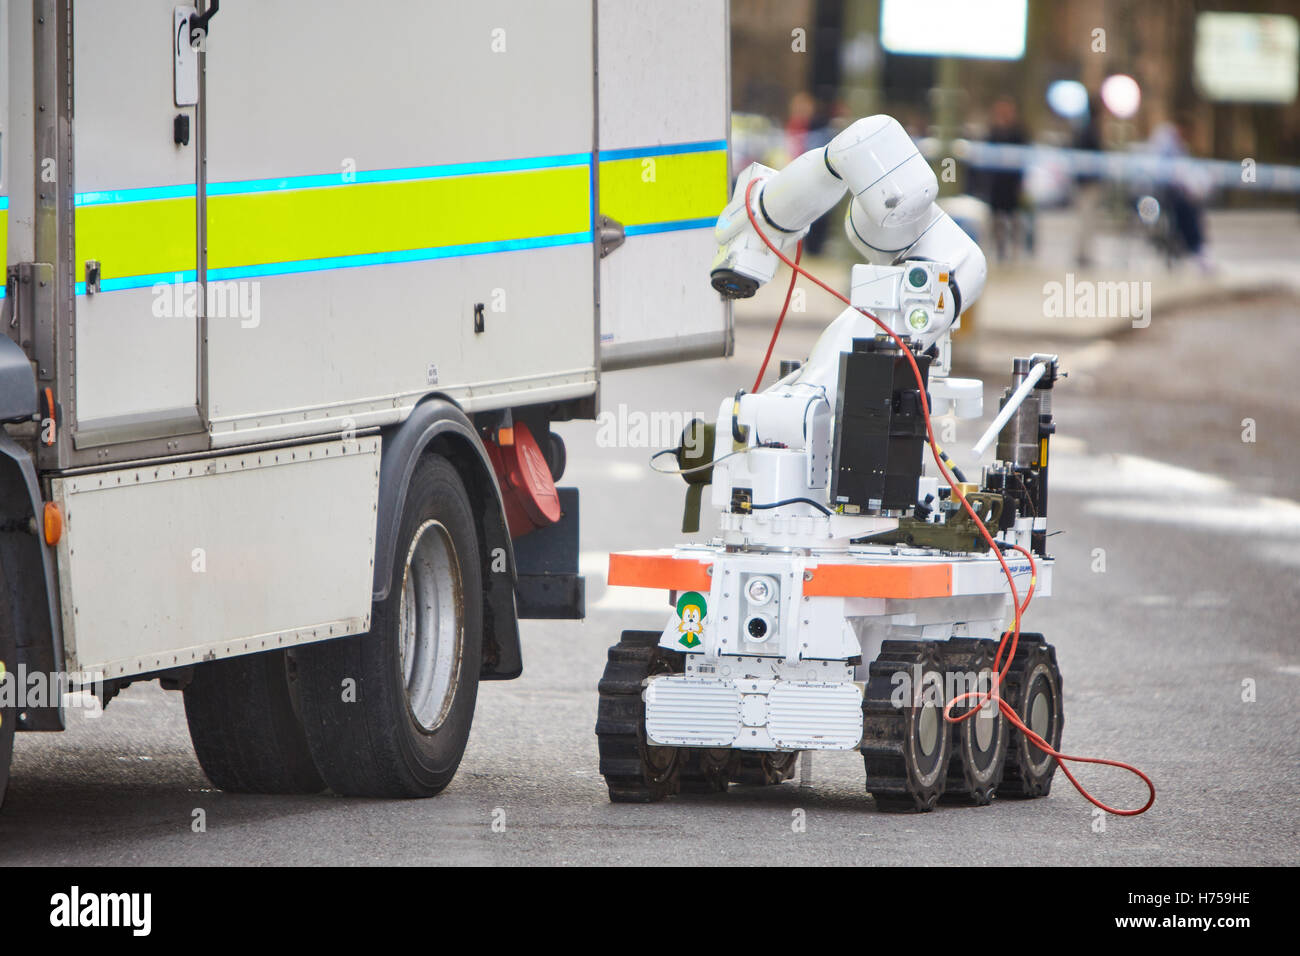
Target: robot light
[760, 590]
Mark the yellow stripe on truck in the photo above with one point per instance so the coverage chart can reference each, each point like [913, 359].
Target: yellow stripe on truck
[314, 222]
[137, 238]
[661, 189]
[356, 219]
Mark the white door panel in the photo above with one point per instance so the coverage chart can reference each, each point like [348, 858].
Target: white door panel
[135, 215]
[664, 124]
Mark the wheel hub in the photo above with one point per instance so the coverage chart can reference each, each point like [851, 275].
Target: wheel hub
[431, 625]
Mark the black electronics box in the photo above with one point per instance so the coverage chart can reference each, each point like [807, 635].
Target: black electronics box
[879, 429]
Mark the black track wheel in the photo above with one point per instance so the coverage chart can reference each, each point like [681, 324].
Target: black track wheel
[905, 744]
[388, 713]
[706, 770]
[979, 743]
[634, 770]
[1033, 689]
[245, 726]
[760, 768]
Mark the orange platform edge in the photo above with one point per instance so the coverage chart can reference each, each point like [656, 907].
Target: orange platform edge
[661, 571]
[669, 573]
[880, 580]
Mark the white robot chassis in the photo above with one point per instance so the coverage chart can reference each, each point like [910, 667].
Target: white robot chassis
[849, 596]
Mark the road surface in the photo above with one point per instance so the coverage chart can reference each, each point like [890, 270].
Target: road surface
[1180, 656]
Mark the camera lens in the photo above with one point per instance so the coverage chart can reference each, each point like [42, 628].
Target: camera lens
[757, 627]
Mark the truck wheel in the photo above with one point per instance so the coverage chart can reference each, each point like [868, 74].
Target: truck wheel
[244, 723]
[905, 743]
[635, 771]
[556, 456]
[388, 713]
[1033, 689]
[979, 743]
[9, 708]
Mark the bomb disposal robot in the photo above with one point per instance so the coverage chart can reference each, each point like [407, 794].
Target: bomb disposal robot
[850, 594]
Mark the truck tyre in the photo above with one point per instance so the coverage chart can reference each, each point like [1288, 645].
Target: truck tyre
[244, 723]
[556, 456]
[388, 713]
[9, 698]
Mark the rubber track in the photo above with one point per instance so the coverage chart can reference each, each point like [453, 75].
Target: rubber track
[964, 655]
[884, 729]
[1016, 781]
[620, 719]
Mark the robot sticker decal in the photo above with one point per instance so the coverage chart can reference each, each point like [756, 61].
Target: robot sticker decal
[691, 608]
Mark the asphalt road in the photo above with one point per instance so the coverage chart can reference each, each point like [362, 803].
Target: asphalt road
[1198, 601]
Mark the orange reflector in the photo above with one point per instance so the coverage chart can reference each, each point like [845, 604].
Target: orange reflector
[506, 436]
[53, 523]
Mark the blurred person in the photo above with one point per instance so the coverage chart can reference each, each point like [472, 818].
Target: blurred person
[1088, 186]
[1187, 190]
[1004, 184]
[800, 118]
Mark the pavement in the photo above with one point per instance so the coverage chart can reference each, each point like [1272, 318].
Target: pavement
[1177, 558]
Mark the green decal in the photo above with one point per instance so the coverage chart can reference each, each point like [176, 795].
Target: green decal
[691, 608]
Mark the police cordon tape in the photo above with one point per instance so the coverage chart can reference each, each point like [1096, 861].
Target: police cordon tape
[1131, 166]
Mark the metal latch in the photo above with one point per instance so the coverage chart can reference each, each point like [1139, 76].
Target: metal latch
[29, 312]
[610, 235]
[199, 24]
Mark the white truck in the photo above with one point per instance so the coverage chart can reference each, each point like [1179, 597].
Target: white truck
[292, 295]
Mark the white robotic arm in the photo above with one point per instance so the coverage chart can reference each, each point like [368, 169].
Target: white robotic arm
[808, 476]
[892, 218]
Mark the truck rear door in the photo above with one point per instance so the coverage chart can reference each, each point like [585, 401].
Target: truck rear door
[136, 226]
[663, 119]
[407, 191]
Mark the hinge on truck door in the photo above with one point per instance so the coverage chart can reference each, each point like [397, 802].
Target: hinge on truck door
[29, 312]
[609, 234]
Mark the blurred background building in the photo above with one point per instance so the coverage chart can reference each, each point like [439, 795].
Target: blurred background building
[801, 68]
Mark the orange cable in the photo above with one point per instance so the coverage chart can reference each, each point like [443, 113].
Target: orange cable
[798, 254]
